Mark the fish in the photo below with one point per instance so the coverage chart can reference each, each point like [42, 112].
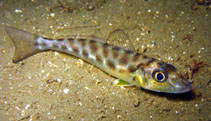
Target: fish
[129, 67]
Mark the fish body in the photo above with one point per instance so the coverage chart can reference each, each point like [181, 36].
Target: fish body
[128, 66]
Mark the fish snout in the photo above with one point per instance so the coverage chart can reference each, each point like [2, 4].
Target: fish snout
[181, 86]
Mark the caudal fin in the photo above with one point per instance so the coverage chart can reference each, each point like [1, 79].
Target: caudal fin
[25, 43]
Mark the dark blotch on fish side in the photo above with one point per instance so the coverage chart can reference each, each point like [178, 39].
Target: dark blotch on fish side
[70, 39]
[63, 46]
[115, 52]
[111, 64]
[93, 46]
[129, 51]
[132, 68]
[75, 49]
[85, 52]
[92, 41]
[144, 56]
[99, 58]
[82, 42]
[71, 42]
[55, 45]
[60, 39]
[124, 59]
[105, 50]
[47, 38]
[116, 48]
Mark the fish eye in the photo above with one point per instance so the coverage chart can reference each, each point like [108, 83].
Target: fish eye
[159, 76]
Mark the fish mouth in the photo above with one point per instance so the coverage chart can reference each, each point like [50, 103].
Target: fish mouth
[174, 90]
[183, 87]
[184, 90]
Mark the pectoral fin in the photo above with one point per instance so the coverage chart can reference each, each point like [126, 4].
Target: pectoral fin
[119, 82]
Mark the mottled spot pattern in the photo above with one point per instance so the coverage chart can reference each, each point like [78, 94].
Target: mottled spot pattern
[55, 45]
[132, 68]
[85, 53]
[60, 40]
[99, 58]
[115, 52]
[82, 42]
[103, 54]
[111, 64]
[71, 41]
[124, 59]
[63, 46]
[75, 49]
[93, 47]
[105, 50]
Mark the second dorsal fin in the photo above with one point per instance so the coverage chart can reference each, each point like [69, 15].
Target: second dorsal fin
[119, 38]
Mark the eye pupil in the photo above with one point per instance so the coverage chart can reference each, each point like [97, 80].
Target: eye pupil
[160, 76]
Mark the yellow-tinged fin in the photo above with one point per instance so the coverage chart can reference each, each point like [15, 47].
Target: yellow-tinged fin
[25, 43]
[119, 82]
[139, 79]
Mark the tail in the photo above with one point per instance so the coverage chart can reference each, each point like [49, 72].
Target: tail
[25, 43]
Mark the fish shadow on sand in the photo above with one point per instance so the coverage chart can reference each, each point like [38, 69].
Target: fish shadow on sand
[188, 96]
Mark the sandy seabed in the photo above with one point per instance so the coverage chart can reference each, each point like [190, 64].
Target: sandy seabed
[55, 86]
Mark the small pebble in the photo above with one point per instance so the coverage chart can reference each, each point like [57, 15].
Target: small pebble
[142, 34]
[56, 53]
[79, 103]
[86, 88]
[18, 11]
[66, 90]
[59, 80]
[42, 71]
[52, 14]
[119, 116]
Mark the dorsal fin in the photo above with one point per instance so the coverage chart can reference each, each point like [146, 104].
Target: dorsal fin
[119, 38]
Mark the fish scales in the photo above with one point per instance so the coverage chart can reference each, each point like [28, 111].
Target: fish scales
[131, 68]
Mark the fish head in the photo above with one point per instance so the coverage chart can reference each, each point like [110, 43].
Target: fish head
[162, 77]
